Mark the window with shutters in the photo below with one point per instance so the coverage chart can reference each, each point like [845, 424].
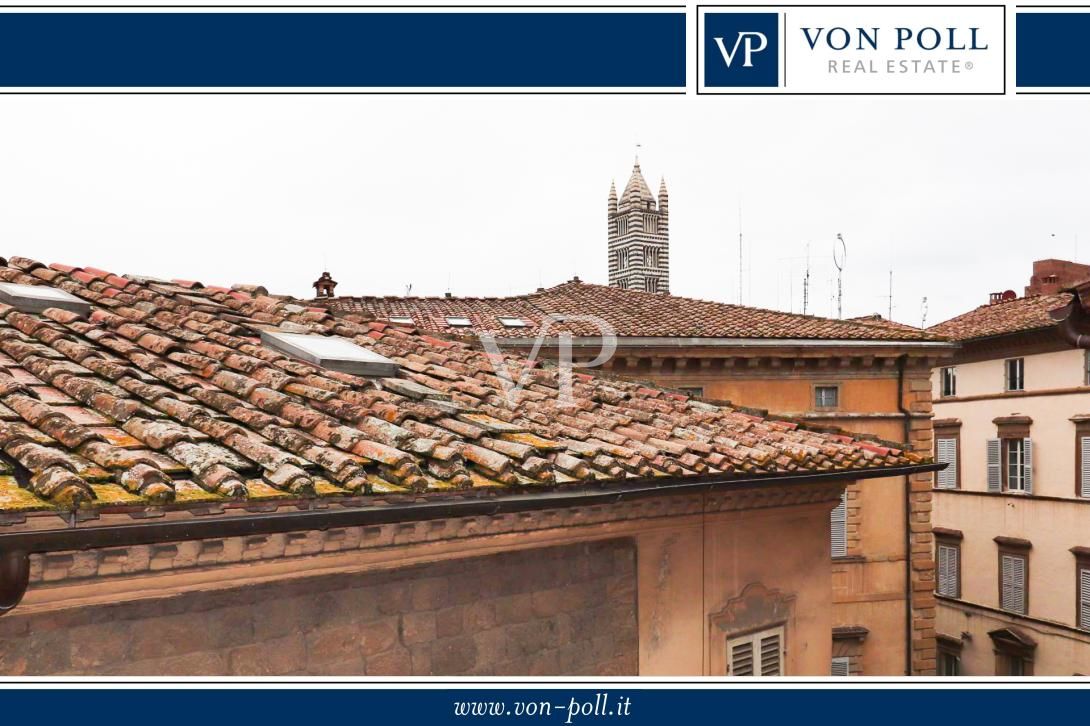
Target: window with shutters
[948, 563]
[838, 527]
[1015, 461]
[756, 654]
[1013, 575]
[1082, 591]
[1082, 456]
[1015, 374]
[1015, 650]
[948, 378]
[841, 666]
[946, 452]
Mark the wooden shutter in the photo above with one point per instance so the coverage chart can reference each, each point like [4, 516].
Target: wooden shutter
[1013, 585]
[946, 451]
[772, 654]
[840, 666]
[741, 658]
[1027, 465]
[948, 570]
[995, 467]
[1084, 598]
[1084, 470]
[838, 526]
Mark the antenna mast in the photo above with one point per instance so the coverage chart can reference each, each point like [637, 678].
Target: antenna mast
[806, 282]
[923, 313]
[739, 253]
[840, 256]
[889, 315]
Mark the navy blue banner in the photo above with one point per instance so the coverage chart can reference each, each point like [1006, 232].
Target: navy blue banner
[1051, 50]
[439, 49]
[565, 706]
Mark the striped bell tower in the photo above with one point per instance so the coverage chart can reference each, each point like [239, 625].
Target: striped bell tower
[639, 236]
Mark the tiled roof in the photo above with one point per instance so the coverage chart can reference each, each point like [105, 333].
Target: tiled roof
[165, 398]
[877, 319]
[628, 312]
[1001, 318]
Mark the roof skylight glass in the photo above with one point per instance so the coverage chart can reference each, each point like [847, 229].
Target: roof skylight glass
[513, 322]
[401, 320]
[458, 321]
[36, 298]
[332, 352]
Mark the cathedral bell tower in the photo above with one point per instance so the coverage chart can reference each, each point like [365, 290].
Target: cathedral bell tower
[639, 236]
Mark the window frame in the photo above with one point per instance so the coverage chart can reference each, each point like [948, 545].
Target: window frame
[1007, 379]
[814, 396]
[695, 391]
[947, 647]
[954, 543]
[1082, 431]
[1019, 472]
[952, 390]
[1082, 564]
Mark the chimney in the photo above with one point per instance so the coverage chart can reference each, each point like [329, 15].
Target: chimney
[998, 297]
[324, 285]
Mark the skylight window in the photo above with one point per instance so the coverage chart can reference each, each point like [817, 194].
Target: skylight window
[332, 352]
[458, 322]
[36, 298]
[401, 320]
[512, 322]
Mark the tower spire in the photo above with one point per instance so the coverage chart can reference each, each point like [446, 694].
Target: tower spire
[639, 235]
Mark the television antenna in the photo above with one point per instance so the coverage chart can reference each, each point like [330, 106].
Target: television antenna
[889, 314]
[923, 313]
[739, 253]
[806, 282]
[840, 256]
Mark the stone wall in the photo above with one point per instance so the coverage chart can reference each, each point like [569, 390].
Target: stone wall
[560, 610]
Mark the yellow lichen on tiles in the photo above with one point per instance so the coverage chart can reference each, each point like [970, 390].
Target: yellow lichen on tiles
[261, 490]
[186, 492]
[480, 481]
[533, 440]
[14, 498]
[438, 485]
[109, 495]
[325, 488]
[381, 486]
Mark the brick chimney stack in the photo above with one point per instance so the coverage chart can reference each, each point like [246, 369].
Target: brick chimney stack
[324, 285]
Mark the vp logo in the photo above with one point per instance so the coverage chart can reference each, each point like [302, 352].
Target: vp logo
[741, 49]
[747, 39]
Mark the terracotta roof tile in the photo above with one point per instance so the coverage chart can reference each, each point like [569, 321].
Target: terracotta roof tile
[628, 312]
[169, 399]
[1002, 318]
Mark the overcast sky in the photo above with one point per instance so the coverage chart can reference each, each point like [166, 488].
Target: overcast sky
[496, 195]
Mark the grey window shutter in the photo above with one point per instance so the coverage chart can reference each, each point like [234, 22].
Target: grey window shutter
[838, 526]
[840, 666]
[948, 570]
[1084, 599]
[741, 659]
[1014, 584]
[771, 660]
[946, 451]
[995, 469]
[1084, 474]
[1027, 464]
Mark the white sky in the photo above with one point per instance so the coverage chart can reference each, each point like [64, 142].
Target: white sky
[496, 195]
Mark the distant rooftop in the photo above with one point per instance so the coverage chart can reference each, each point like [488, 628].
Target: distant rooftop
[630, 313]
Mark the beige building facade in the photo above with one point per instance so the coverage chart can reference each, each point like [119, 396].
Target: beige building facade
[1012, 511]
